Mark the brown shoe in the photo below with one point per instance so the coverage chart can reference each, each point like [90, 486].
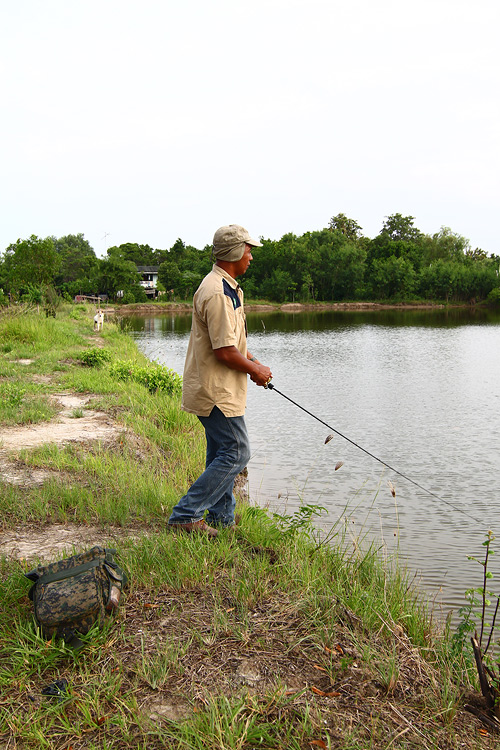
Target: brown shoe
[195, 526]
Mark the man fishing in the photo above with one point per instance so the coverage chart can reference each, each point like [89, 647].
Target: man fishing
[215, 384]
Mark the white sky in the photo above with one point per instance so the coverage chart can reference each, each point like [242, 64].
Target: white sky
[152, 120]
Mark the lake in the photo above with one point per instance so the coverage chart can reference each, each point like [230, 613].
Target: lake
[418, 389]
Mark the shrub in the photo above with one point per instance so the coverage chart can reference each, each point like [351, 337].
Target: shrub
[95, 357]
[159, 378]
[121, 370]
[154, 377]
[128, 298]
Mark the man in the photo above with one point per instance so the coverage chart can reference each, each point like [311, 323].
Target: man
[215, 384]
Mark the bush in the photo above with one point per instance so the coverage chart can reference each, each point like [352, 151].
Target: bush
[95, 357]
[154, 377]
[128, 298]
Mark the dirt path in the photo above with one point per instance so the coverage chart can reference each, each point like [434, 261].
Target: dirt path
[66, 427]
[56, 540]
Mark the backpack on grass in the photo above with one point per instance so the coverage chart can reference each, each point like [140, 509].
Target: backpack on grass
[70, 595]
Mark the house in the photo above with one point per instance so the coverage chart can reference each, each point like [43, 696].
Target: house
[149, 279]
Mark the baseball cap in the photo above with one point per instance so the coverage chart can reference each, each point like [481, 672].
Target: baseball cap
[229, 242]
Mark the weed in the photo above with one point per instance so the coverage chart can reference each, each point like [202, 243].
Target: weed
[12, 394]
[474, 615]
[300, 521]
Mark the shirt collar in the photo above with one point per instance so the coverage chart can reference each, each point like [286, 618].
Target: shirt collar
[227, 276]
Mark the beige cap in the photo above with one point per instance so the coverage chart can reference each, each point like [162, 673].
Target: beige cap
[229, 243]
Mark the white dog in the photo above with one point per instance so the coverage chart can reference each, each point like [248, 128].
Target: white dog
[98, 320]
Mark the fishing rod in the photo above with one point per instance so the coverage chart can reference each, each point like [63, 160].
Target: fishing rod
[272, 387]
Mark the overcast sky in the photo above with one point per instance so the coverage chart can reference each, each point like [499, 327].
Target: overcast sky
[145, 121]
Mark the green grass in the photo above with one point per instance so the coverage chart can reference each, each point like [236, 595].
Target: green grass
[342, 644]
[23, 403]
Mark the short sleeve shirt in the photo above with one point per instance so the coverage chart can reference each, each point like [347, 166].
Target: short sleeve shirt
[218, 320]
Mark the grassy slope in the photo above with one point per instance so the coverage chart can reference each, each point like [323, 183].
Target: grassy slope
[262, 639]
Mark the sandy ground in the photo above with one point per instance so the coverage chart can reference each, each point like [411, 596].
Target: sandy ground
[25, 542]
[66, 428]
[55, 541]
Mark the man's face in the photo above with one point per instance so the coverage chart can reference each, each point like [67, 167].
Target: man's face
[243, 263]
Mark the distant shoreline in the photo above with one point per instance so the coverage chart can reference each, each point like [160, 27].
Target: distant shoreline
[291, 307]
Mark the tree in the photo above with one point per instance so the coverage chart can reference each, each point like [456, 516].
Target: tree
[399, 239]
[77, 272]
[347, 271]
[348, 227]
[393, 278]
[183, 268]
[445, 245]
[437, 280]
[170, 275]
[141, 255]
[33, 261]
[117, 275]
[77, 256]
[278, 286]
[399, 227]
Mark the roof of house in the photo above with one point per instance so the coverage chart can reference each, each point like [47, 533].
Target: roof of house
[148, 269]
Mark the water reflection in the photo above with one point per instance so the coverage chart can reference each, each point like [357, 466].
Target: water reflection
[418, 389]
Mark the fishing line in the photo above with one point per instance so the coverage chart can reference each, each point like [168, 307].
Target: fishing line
[271, 387]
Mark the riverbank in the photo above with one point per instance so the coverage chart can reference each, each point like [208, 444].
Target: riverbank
[267, 638]
[292, 307]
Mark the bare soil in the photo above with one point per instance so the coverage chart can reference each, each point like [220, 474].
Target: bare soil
[26, 542]
[65, 428]
[30, 543]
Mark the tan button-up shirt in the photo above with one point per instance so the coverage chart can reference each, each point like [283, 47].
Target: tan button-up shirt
[218, 320]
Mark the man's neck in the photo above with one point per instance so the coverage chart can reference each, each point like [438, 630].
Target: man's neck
[227, 266]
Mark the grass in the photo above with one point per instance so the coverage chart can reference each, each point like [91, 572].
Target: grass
[267, 638]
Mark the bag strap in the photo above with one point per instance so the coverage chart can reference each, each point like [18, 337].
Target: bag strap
[60, 575]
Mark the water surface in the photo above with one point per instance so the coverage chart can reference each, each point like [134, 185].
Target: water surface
[420, 390]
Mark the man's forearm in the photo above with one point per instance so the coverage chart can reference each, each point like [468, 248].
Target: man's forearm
[234, 359]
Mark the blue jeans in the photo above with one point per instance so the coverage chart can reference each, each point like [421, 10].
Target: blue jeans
[228, 452]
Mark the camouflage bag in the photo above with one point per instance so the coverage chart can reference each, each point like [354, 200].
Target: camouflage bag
[70, 595]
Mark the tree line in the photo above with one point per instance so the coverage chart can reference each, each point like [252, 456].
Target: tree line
[336, 263]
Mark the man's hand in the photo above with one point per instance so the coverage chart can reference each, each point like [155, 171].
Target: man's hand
[262, 374]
